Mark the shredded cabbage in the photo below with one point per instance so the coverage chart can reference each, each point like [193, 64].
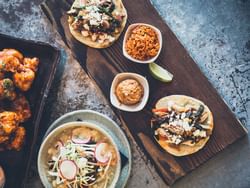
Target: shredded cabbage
[89, 172]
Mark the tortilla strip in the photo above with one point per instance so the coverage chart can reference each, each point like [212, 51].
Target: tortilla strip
[88, 41]
[185, 148]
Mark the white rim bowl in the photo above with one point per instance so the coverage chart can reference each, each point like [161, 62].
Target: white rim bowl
[46, 144]
[127, 34]
[130, 108]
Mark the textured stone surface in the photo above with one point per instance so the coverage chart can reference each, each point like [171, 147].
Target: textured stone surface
[216, 34]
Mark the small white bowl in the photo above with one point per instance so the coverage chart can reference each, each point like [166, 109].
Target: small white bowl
[128, 33]
[130, 108]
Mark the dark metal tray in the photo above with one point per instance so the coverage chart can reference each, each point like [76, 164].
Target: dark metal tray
[16, 163]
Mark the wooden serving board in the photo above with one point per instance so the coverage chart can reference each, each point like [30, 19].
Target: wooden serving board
[103, 65]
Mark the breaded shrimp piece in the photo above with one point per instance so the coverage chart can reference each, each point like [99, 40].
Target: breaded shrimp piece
[18, 139]
[7, 89]
[31, 63]
[9, 64]
[9, 122]
[24, 79]
[12, 52]
[22, 108]
[3, 139]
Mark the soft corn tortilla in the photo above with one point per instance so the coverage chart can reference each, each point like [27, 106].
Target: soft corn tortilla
[87, 40]
[184, 148]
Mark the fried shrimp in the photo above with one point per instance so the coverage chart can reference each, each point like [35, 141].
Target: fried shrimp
[17, 74]
[11, 134]
[31, 63]
[11, 52]
[4, 139]
[8, 122]
[7, 89]
[9, 64]
[18, 139]
[22, 108]
[24, 79]
[23, 69]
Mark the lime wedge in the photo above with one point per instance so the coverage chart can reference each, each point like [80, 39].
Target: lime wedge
[160, 73]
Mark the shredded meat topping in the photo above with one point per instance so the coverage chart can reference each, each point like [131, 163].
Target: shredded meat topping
[180, 126]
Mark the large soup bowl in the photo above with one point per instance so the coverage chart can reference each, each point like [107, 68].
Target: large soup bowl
[43, 156]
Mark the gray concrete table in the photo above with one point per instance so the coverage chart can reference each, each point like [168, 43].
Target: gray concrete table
[216, 34]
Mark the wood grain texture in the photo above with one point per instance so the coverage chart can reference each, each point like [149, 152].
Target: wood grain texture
[103, 65]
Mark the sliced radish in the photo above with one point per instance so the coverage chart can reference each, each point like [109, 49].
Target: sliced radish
[68, 169]
[101, 153]
[80, 139]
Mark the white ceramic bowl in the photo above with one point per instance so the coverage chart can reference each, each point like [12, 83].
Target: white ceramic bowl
[43, 152]
[130, 108]
[128, 33]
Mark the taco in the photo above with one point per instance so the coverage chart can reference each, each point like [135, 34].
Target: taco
[182, 125]
[97, 23]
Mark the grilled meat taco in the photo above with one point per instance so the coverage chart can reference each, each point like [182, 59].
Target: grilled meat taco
[97, 23]
[182, 125]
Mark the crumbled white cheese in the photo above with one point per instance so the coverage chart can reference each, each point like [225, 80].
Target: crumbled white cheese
[93, 2]
[176, 139]
[93, 15]
[110, 38]
[186, 126]
[183, 124]
[93, 22]
[174, 123]
[199, 133]
[183, 115]
[96, 16]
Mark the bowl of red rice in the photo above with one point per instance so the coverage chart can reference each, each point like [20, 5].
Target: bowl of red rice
[142, 43]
